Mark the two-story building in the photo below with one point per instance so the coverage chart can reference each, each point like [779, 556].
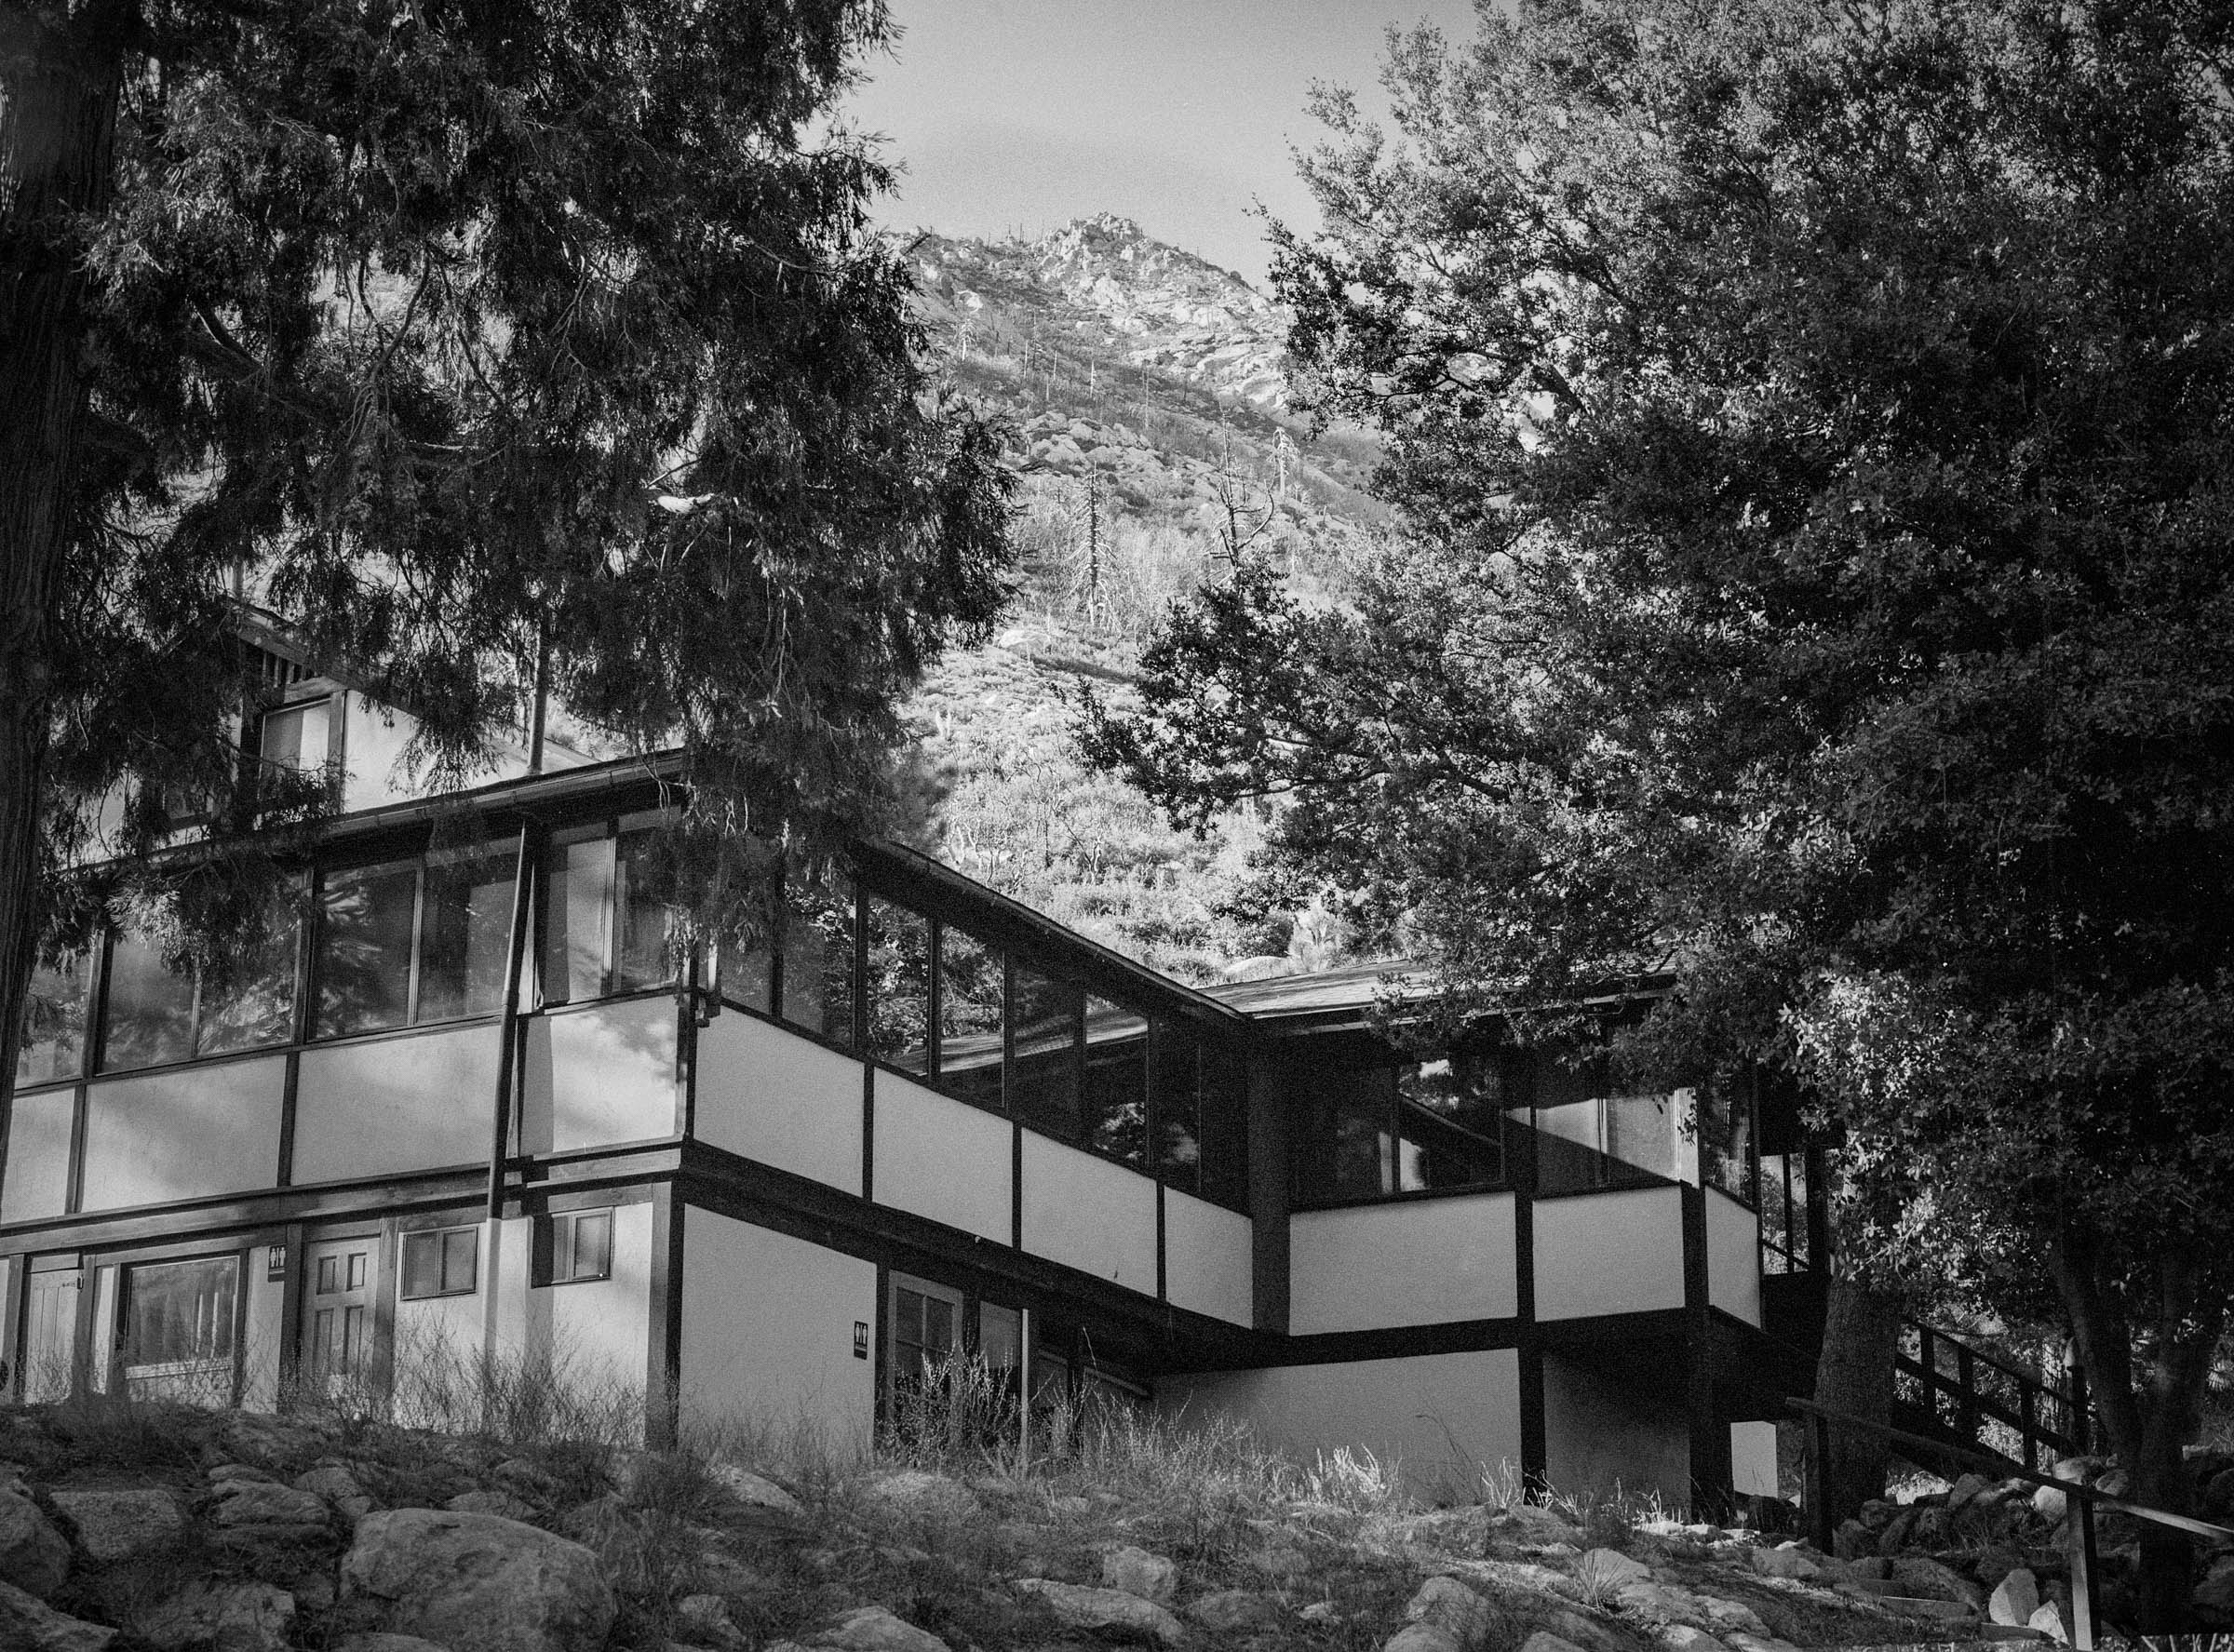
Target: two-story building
[472, 1102]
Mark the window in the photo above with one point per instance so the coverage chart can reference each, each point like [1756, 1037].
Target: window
[899, 985]
[1724, 1115]
[606, 925]
[409, 942]
[1225, 1100]
[157, 1012]
[575, 1245]
[971, 994]
[442, 1263]
[1175, 1069]
[1372, 1128]
[1042, 1078]
[926, 1332]
[298, 736]
[53, 1039]
[177, 1335]
[1587, 1137]
[1450, 1123]
[818, 957]
[1116, 1081]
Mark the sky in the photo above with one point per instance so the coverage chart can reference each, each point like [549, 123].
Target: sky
[1022, 114]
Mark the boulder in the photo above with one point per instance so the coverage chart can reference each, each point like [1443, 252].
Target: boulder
[2079, 1470]
[919, 1493]
[268, 1503]
[28, 1624]
[1543, 1640]
[2219, 1493]
[1421, 1637]
[479, 1581]
[1236, 1611]
[1853, 1540]
[1535, 1523]
[755, 1490]
[339, 1487]
[2216, 1593]
[207, 1617]
[1925, 1578]
[2048, 1622]
[491, 1502]
[872, 1629]
[2115, 1482]
[33, 1556]
[1787, 1561]
[706, 1620]
[386, 1642]
[1610, 1569]
[1106, 1611]
[1727, 1614]
[117, 1526]
[1965, 1490]
[1896, 1535]
[1447, 1605]
[1682, 1637]
[1151, 1577]
[2015, 1599]
[2051, 1503]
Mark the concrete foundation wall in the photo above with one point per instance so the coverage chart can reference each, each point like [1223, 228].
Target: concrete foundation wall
[1439, 1420]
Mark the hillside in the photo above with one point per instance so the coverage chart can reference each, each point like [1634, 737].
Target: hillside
[1153, 446]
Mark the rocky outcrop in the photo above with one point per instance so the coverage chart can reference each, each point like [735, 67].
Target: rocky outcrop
[479, 1580]
[1104, 1611]
[33, 1555]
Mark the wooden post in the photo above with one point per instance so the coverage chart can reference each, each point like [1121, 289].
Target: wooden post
[2080, 1526]
[1819, 1488]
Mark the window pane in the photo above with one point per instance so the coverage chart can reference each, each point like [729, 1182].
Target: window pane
[592, 1245]
[54, 1022]
[251, 1002]
[422, 1265]
[1044, 1077]
[1116, 1088]
[1178, 1124]
[1450, 1123]
[643, 956]
[176, 1312]
[364, 961]
[581, 895]
[899, 985]
[999, 1335]
[1725, 1138]
[1225, 1126]
[818, 959]
[1346, 1150]
[149, 1012]
[297, 737]
[461, 1248]
[969, 1012]
[463, 936]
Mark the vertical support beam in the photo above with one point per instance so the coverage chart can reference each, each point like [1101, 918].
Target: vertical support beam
[1818, 1463]
[1819, 1209]
[1709, 1432]
[1269, 1149]
[1535, 1447]
[663, 1376]
[2080, 1527]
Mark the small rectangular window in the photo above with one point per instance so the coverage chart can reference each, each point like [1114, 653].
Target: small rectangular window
[297, 737]
[178, 1329]
[580, 1246]
[444, 1262]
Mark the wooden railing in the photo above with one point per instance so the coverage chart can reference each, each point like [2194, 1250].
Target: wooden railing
[1944, 1387]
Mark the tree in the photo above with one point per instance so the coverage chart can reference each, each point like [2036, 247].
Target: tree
[1813, 438]
[461, 334]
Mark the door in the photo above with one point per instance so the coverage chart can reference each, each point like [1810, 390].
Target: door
[926, 1333]
[49, 1354]
[337, 1317]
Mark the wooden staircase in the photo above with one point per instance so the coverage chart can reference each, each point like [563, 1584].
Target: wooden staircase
[1946, 1390]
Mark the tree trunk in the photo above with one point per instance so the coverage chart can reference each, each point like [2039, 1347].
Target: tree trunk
[1854, 1374]
[58, 76]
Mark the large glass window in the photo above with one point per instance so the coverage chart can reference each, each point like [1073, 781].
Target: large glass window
[1589, 1135]
[1375, 1127]
[1450, 1123]
[899, 985]
[1116, 1081]
[1225, 1113]
[156, 1013]
[178, 1327]
[643, 946]
[463, 936]
[1724, 1115]
[606, 924]
[971, 994]
[818, 957]
[1175, 1075]
[1344, 1149]
[1044, 1077]
[368, 919]
[52, 1043]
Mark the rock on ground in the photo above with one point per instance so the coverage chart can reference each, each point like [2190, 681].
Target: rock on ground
[1545, 1640]
[1787, 1562]
[1151, 1577]
[1108, 1611]
[1234, 1611]
[2048, 1622]
[28, 1624]
[386, 1642]
[226, 1616]
[33, 1555]
[919, 1491]
[1682, 1637]
[755, 1490]
[117, 1525]
[872, 1629]
[1421, 1637]
[479, 1581]
[2015, 1599]
[1447, 1605]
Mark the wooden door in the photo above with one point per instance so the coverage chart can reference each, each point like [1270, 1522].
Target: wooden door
[337, 1315]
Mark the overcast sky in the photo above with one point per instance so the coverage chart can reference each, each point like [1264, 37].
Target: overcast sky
[1025, 113]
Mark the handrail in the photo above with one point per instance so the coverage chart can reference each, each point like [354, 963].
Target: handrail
[2085, 1630]
[2035, 1399]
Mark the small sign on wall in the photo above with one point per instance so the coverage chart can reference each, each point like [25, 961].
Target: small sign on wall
[860, 1340]
[274, 1262]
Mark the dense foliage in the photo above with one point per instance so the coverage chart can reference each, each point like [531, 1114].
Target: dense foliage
[1812, 432]
[452, 334]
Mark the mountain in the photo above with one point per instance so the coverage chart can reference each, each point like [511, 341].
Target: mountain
[1154, 444]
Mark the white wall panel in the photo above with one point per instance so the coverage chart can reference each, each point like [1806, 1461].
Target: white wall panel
[185, 1134]
[767, 1335]
[266, 1332]
[1440, 1420]
[1415, 1262]
[784, 1100]
[602, 1329]
[1753, 1459]
[1608, 1253]
[417, 1103]
[372, 745]
[944, 1159]
[1085, 1213]
[1734, 1257]
[599, 1076]
[38, 1156]
[1209, 1261]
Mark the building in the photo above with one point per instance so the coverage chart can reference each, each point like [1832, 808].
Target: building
[465, 1110]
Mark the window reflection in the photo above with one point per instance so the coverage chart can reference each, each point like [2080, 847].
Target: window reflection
[819, 958]
[1588, 1136]
[156, 1011]
[899, 985]
[149, 1010]
[1377, 1126]
[52, 1041]
[643, 948]
[366, 920]
[1116, 1081]
[1043, 1078]
[1178, 1060]
[464, 935]
[1225, 1112]
[971, 990]
[577, 915]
